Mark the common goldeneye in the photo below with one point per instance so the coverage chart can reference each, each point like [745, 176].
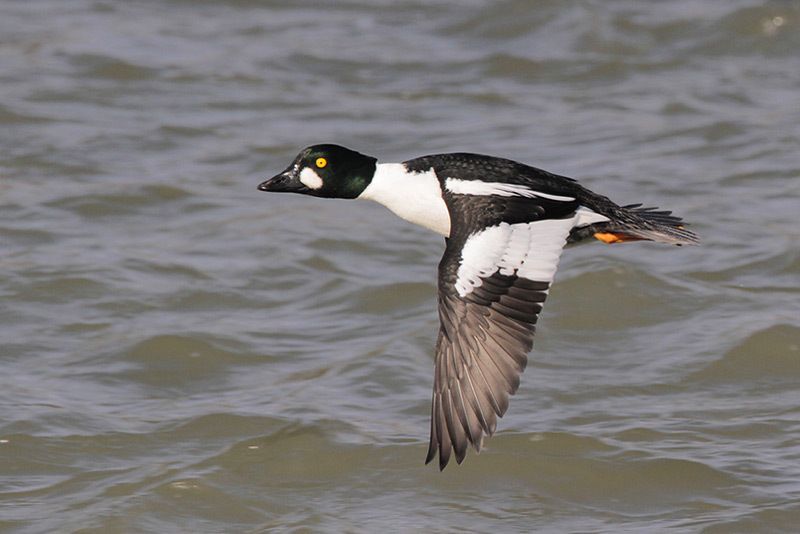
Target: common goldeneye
[505, 225]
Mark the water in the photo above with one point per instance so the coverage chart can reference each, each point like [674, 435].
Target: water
[182, 353]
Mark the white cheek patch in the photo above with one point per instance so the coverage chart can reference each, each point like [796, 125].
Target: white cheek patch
[529, 250]
[310, 179]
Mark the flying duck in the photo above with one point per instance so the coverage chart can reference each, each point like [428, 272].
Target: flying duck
[505, 224]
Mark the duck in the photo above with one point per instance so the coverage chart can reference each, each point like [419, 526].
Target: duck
[505, 225]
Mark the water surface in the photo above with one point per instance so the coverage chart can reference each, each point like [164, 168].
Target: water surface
[181, 352]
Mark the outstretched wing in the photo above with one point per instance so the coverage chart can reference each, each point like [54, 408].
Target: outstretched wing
[493, 280]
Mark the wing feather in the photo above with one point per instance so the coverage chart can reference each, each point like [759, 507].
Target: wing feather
[487, 327]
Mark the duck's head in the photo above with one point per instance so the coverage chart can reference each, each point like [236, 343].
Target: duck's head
[329, 171]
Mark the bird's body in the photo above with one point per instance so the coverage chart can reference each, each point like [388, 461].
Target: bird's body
[505, 225]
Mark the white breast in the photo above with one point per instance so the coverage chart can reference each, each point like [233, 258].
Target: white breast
[413, 196]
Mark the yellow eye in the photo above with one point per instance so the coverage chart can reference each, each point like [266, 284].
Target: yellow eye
[321, 162]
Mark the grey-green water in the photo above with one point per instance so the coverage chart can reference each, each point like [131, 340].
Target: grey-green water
[181, 353]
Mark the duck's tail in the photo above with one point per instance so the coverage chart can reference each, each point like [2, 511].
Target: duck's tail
[635, 223]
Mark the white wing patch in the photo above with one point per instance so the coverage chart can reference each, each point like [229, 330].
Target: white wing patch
[479, 187]
[529, 250]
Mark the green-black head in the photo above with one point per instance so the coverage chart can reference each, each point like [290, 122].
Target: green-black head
[329, 171]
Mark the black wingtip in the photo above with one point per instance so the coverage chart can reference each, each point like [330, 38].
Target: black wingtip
[431, 456]
[443, 463]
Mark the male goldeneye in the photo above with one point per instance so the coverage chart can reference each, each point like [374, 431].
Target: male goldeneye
[505, 225]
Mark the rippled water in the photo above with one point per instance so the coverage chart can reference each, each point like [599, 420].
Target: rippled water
[183, 353]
